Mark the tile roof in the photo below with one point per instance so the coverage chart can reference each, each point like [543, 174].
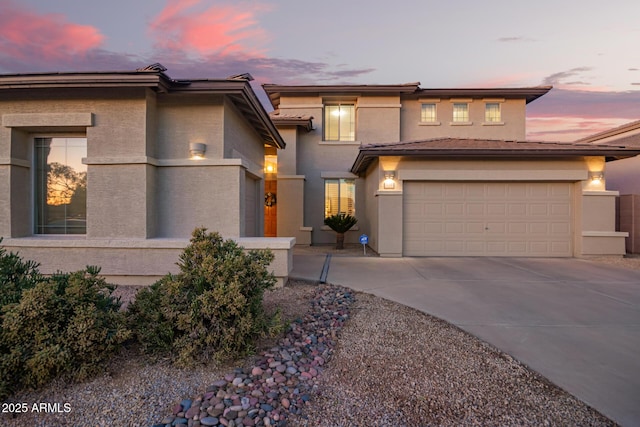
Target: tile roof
[410, 90]
[627, 127]
[153, 76]
[487, 148]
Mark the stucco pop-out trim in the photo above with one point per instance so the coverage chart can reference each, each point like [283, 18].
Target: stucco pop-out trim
[146, 259]
[47, 120]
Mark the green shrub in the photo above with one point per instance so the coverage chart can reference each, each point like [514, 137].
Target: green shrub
[340, 223]
[67, 325]
[16, 275]
[212, 308]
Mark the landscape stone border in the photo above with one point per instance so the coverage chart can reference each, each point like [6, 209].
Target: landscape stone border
[282, 380]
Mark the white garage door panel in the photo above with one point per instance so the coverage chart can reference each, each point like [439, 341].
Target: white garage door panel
[487, 219]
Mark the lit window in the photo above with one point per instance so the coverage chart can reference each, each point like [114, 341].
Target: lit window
[340, 122]
[60, 186]
[460, 112]
[492, 112]
[428, 114]
[339, 197]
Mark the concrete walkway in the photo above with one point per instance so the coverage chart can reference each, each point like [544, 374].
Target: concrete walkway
[574, 321]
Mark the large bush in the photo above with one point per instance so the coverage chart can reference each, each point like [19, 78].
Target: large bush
[66, 325]
[16, 275]
[212, 308]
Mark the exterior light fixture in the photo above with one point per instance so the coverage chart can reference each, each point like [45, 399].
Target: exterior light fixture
[197, 150]
[389, 180]
[271, 163]
[596, 177]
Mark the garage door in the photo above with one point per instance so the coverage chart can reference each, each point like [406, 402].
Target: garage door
[487, 219]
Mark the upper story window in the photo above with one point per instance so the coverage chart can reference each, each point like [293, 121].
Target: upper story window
[60, 186]
[492, 112]
[460, 112]
[428, 113]
[340, 122]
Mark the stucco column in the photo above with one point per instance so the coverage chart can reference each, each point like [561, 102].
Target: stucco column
[389, 223]
[599, 235]
[290, 205]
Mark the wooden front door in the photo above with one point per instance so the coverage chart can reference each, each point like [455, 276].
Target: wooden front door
[270, 212]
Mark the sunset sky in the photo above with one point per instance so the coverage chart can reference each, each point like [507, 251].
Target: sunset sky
[588, 50]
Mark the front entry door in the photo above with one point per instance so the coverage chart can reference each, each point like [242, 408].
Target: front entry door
[270, 208]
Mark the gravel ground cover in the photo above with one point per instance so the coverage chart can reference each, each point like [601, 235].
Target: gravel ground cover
[133, 392]
[391, 366]
[395, 366]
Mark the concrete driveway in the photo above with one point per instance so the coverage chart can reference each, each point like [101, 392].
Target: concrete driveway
[574, 321]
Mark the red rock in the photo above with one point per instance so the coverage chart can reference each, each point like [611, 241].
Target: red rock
[285, 403]
[191, 412]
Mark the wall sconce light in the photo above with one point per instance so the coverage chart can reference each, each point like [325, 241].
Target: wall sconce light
[270, 164]
[197, 150]
[596, 177]
[389, 180]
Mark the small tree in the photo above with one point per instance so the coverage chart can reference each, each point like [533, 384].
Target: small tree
[340, 223]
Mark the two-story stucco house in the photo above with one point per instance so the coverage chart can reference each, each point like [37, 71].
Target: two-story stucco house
[116, 169]
[437, 172]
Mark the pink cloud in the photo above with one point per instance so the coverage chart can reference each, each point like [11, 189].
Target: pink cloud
[184, 25]
[27, 36]
[568, 128]
[567, 115]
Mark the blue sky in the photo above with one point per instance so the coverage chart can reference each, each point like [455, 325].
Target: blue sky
[588, 50]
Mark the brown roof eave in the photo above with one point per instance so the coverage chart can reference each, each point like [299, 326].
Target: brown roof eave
[77, 80]
[306, 124]
[530, 94]
[274, 91]
[366, 157]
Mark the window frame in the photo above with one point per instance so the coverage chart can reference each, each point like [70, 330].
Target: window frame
[455, 118]
[36, 180]
[351, 137]
[492, 119]
[340, 182]
[434, 119]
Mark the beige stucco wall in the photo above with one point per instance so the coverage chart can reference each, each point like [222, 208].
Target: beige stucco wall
[199, 197]
[593, 207]
[288, 158]
[512, 126]
[599, 235]
[290, 213]
[369, 221]
[143, 189]
[150, 259]
[197, 122]
[241, 140]
[379, 119]
[117, 201]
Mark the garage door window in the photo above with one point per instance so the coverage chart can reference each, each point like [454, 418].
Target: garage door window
[339, 197]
